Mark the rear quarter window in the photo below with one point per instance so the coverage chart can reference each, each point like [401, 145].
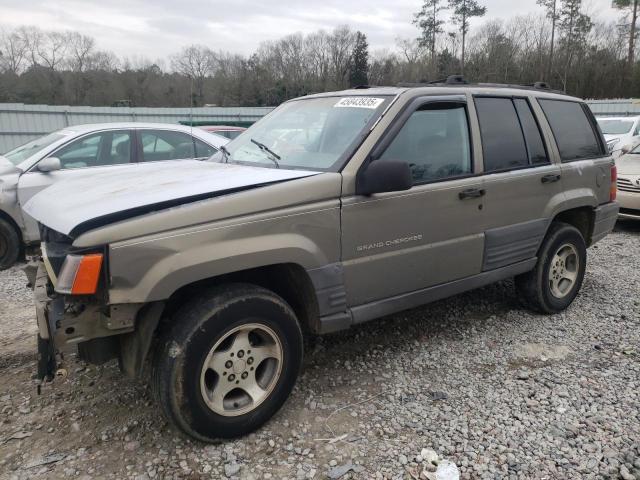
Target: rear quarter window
[574, 133]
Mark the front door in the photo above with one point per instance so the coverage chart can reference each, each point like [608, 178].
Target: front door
[85, 156]
[395, 243]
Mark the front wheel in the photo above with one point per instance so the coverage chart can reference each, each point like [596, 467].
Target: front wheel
[228, 362]
[9, 245]
[556, 280]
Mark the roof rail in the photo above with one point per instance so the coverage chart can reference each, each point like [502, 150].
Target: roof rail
[456, 80]
[461, 81]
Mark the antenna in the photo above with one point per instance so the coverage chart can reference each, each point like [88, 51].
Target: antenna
[191, 108]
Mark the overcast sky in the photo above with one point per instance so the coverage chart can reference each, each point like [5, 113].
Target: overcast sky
[158, 28]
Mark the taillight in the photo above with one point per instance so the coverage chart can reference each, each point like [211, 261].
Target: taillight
[80, 274]
[613, 192]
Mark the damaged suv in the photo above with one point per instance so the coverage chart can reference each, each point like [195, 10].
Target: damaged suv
[333, 210]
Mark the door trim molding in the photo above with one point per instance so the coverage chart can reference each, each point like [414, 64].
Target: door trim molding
[370, 311]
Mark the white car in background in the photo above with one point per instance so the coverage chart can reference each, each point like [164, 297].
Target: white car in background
[620, 132]
[629, 182]
[84, 150]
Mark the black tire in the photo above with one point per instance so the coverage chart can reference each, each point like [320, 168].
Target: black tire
[196, 328]
[9, 245]
[535, 287]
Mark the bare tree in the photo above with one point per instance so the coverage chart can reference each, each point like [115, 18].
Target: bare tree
[51, 49]
[196, 62]
[13, 52]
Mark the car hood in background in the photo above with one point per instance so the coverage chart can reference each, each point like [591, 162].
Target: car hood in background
[74, 206]
[628, 164]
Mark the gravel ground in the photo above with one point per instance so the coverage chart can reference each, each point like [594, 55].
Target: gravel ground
[475, 379]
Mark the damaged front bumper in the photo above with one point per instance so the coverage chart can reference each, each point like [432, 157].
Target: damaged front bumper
[66, 325]
[48, 312]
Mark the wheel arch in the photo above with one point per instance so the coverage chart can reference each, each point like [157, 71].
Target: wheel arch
[288, 280]
[582, 218]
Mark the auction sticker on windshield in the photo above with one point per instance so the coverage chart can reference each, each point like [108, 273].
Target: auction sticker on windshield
[359, 102]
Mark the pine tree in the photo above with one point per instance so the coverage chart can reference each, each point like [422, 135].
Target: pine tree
[463, 10]
[575, 26]
[359, 70]
[631, 5]
[430, 24]
[551, 6]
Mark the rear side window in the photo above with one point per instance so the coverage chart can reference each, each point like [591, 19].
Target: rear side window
[203, 150]
[532, 136]
[160, 145]
[574, 134]
[503, 144]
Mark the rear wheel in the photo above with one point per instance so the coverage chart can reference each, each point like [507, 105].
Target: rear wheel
[9, 245]
[556, 280]
[228, 363]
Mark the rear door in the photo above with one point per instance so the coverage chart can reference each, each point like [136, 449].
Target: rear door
[586, 163]
[84, 156]
[522, 183]
[159, 145]
[400, 242]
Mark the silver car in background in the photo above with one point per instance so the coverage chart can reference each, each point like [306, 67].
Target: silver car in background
[85, 150]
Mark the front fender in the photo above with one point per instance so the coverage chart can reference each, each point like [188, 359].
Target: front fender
[153, 270]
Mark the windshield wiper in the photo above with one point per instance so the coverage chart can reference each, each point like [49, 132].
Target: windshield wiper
[274, 157]
[225, 153]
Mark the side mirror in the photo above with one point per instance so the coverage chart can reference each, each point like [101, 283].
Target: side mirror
[382, 176]
[50, 164]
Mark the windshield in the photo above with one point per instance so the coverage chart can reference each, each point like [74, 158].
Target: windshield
[308, 134]
[615, 127]
[21, 153]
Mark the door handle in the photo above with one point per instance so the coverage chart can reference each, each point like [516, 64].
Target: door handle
[554, 177]
[472, 193]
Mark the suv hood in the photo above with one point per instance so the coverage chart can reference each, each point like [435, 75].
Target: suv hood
[74, 206]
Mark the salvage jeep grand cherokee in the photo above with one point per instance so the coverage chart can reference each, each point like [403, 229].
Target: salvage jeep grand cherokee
[333, 210]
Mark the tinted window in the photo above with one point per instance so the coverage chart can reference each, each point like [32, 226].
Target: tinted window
[203, 150]
[572, 130]
[532, 136]
[165, 145]
[435, 142]
[503, 143]
[98, 149]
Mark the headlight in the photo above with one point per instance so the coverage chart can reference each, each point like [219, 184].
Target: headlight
[80, 274]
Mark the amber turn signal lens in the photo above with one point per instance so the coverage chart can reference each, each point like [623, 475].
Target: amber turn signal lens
[80, 274]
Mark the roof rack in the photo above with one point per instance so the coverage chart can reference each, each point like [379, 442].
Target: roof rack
[453, 80]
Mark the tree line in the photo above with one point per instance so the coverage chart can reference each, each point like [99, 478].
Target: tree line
[565, 46]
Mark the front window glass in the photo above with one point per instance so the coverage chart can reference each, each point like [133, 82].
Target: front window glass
[615, 127]
[21, 153]
[96, 150]
[434, 142]
[309, 134]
